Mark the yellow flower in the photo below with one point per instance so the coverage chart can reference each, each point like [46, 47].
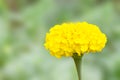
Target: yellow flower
[71, 38]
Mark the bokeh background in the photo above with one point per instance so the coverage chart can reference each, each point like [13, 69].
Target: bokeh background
[24, 23]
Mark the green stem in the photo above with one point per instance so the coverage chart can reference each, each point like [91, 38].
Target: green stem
[78, 61]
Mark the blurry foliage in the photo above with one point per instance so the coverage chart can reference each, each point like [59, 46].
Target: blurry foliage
[23, 24]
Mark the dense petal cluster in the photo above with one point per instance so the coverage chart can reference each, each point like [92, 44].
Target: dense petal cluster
[71, 38]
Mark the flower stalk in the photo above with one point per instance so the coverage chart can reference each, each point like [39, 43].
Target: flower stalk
[78, 61]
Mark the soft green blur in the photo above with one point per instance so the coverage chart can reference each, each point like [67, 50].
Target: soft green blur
[24, 23]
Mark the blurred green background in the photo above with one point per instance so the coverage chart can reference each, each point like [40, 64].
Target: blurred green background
[24, 23]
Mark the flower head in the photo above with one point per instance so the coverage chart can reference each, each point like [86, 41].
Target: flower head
[68, 39]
